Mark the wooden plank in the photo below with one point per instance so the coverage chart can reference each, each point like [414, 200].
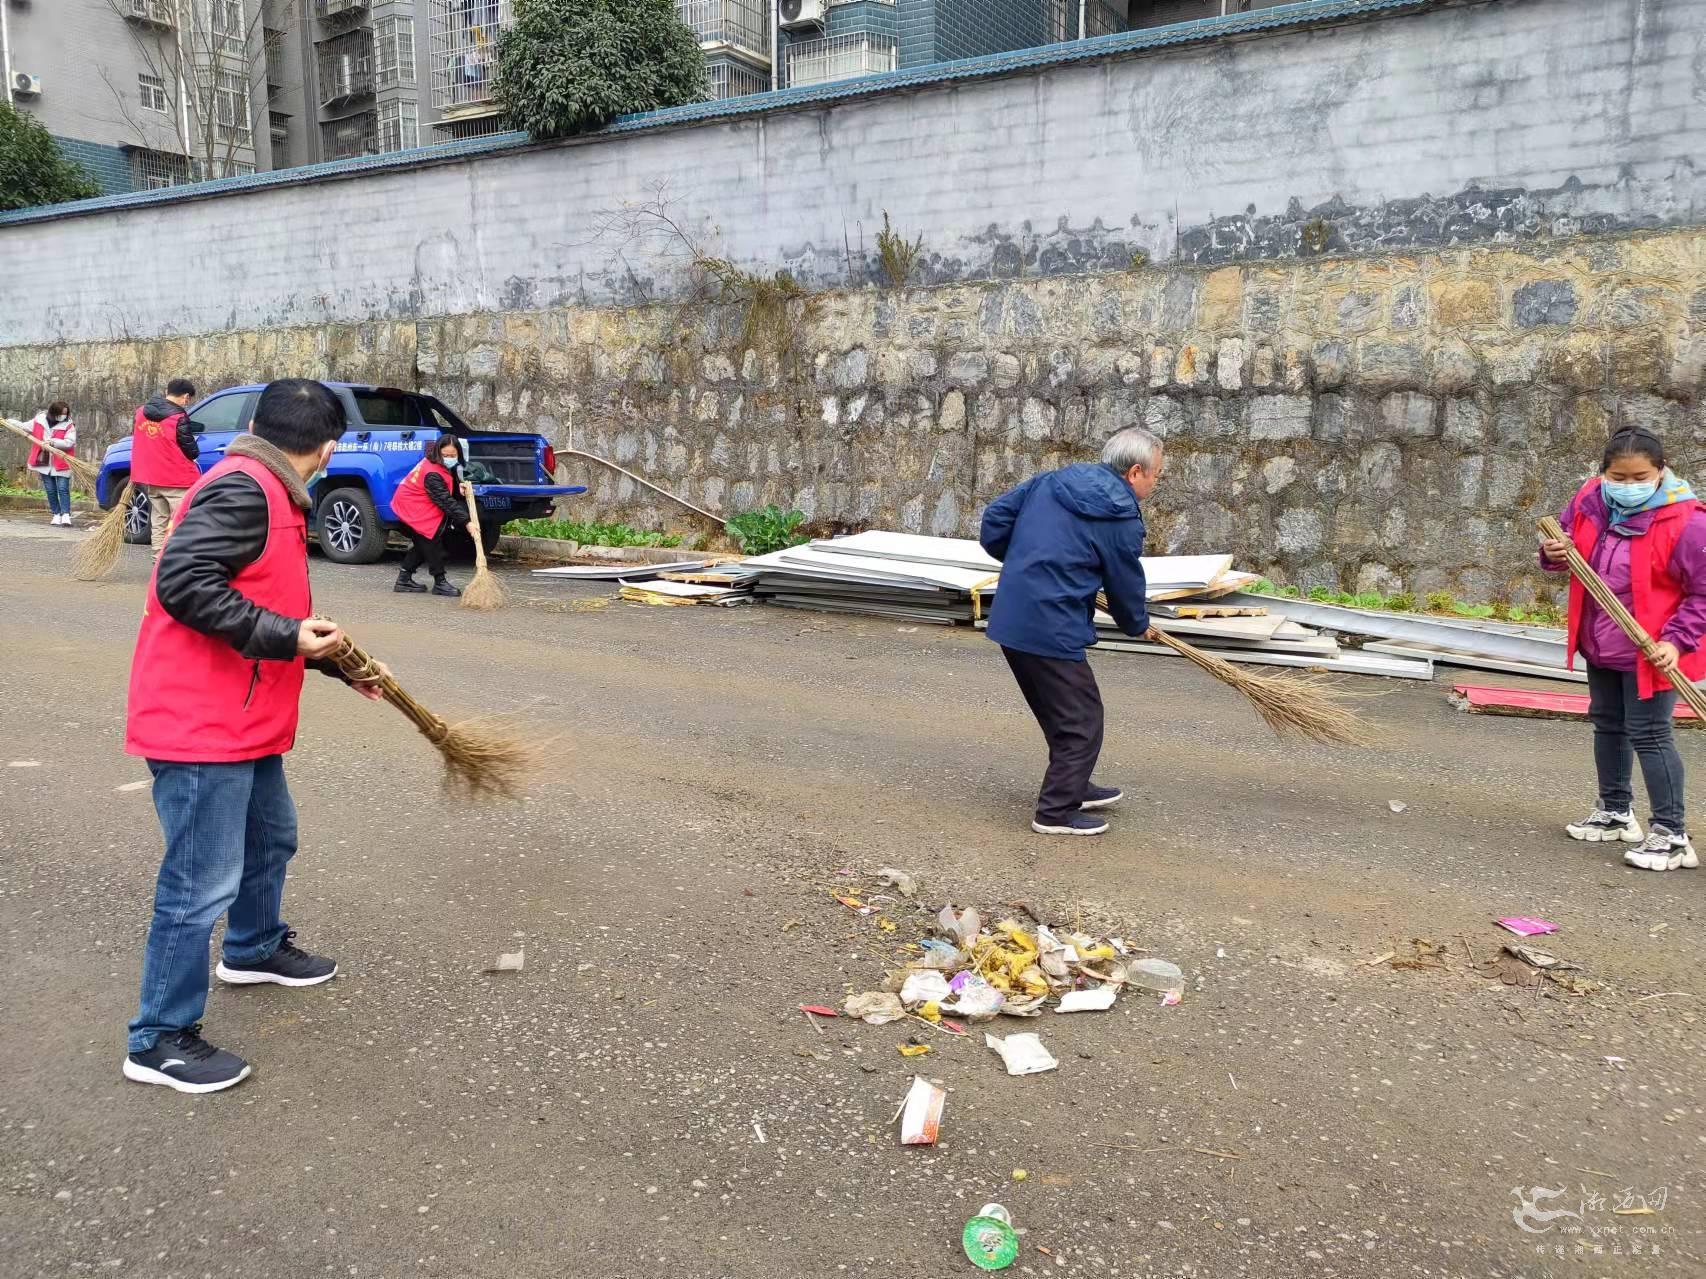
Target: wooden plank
[1201, 611]
[1535, 703]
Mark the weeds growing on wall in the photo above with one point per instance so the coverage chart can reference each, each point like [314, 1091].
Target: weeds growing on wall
[767, 529]
[895, 255]
[765, 299]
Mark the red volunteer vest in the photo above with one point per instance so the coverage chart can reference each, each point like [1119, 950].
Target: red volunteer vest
[1657, 595]
[54, 435]
[414, 506]
[194, 698]
[155, 457]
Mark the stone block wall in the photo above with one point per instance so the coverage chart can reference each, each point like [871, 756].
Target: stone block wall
[1360, 422]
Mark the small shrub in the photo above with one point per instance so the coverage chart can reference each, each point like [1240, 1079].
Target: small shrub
[591, 533]
[765, 297]
[1440, 601]
[767, 529]
[1264, 587]
[1402, 602]
[1320, 594]
[1473, 610]
[895, 255]
[1369, 600]
[1290, 593]
[1139, 260]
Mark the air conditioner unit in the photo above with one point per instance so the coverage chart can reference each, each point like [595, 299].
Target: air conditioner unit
[801, 13]
[25, 85]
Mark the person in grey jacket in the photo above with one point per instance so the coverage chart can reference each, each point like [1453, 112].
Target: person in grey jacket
[1063, 536]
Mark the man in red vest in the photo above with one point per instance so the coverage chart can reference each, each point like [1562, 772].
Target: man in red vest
[163, 451]
[226, 633]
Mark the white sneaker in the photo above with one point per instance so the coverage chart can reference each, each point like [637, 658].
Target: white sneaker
[64, 520]
[1662, 850]
[1603, 827]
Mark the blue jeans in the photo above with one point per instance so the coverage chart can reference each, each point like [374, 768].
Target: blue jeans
[1624, 726]
[230, 831]
[58, 488]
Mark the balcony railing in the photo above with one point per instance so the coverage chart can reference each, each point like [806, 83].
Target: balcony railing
[347, 139]
[152, 13]
[346, 67]
[843, 57]
[330, 9]
[465, 52]
[744, 24]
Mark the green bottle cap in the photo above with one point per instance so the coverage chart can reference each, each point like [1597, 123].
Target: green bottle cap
[990, 1243]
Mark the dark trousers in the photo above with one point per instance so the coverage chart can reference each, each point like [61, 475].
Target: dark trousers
[428, 549]
[1624, 726]
[1068, 706]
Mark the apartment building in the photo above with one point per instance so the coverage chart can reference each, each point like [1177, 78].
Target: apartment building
[142, 93]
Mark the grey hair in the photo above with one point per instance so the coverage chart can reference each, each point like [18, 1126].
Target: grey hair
[1131, 447]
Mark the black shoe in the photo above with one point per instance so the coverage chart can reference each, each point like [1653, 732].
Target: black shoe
[185, 1061]
[289, 965]
[1100, 797]
[442, 586]
[406, 585]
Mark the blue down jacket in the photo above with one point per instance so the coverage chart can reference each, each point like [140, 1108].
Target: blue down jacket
[1062, 536]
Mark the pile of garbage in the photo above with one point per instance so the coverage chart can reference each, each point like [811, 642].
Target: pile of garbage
[978, 973]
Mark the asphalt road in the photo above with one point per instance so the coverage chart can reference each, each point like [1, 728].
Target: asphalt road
[643, 1099]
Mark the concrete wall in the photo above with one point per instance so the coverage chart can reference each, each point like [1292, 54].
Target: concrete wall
[1463, 122]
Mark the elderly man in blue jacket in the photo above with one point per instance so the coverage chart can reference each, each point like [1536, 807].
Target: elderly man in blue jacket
[1061, 537]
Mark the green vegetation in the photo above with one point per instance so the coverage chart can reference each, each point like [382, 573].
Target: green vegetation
[590, 533]
[33, 170]
[895, 254]
[1441, 603]
[767, 529]
[571, 66]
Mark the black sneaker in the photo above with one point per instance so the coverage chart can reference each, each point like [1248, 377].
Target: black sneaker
[185, 1061]
[1100, 797]
[1077, 824]
[406, 585]
[442, 586]
[289, 965]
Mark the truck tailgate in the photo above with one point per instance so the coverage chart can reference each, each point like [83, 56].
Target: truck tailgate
[501, 497]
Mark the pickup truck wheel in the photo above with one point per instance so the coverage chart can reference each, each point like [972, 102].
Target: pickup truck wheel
[491, 533]
[348, 525]
[138, 513]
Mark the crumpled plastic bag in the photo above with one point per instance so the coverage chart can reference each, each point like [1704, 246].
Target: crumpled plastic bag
[963, 927]
[975, 999]
[874, 1007]
[1022, 1054]
[923, 985]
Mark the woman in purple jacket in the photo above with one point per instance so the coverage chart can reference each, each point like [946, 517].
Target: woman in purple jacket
[1644, 532]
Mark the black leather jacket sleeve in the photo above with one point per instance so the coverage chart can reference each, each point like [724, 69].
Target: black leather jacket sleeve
[223, 531]
[439, 492]
[187, 442]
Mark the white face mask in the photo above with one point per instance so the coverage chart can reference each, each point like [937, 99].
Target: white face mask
[450, 460]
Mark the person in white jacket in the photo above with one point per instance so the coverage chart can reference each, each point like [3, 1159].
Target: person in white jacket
[54, 425]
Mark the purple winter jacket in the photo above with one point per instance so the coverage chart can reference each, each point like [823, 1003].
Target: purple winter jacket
[1601, 641]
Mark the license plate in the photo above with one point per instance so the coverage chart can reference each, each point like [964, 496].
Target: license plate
[496, 501]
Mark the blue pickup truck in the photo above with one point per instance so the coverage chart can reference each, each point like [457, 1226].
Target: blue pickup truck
[388, 429]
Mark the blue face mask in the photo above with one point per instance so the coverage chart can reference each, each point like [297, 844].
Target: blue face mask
[1628, 494]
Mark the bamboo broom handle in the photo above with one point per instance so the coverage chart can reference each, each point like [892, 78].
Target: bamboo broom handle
[474, 523]
[1603, 595]
[83, 469]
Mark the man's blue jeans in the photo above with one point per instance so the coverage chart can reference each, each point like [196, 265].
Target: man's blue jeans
[230, 831]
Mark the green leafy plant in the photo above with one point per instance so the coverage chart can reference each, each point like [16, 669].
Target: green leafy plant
[767, 529]
[33, 170]
[895, 255]
[1402, 602]
[570, 66]
[591, 533]
[1139, 260]
[1440, 601]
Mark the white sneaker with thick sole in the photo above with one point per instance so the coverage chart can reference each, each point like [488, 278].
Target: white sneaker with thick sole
[1662, 850]
[1603, 827]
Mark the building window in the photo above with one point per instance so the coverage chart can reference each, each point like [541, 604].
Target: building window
[395, 38]
[399, 126]
[231, 106]
[348, 138]
[157, 170]
[346, 67]
[242, 169]
[153, 93]
[230, 33]
[464, 53]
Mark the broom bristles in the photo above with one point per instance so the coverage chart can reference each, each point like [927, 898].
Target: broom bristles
[99, 551]
[485, 592]
[1302, 704]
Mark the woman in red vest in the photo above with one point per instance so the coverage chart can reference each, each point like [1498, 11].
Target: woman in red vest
[426, 502]
[56, 428]
[227, 630]
[1644, 532]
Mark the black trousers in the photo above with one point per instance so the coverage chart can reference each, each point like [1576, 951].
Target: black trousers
[1068, 706]
[427, 549]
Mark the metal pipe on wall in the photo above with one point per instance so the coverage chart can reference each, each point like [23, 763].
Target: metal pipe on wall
[775, 44]
[6, 48]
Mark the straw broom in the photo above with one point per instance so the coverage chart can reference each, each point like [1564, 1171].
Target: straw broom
[485, 592]
[98, 552]
[1607, 599]
[1300, 704]
[479, 762]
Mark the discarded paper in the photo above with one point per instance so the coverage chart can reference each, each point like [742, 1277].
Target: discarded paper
[903, 882]
[1022, 1054]
[1525, 926]
[1087, 1001]
[921, 1113]
[510, 963]
[874, 1007]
